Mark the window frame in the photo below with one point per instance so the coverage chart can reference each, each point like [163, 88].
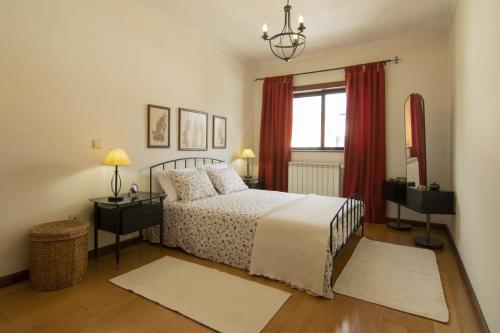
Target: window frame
[322, 93]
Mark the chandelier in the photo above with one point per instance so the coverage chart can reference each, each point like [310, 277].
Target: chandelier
[287, 44]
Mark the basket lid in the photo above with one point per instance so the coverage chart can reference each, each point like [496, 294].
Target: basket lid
[59, 230]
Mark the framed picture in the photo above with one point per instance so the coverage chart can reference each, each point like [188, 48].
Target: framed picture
[158, 126]
[193, 130]
[219, 132]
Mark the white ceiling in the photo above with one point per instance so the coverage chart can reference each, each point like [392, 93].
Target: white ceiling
[330, 23]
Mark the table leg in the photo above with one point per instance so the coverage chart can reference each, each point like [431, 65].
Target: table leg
[117, 240]
[398, 225]
[117, 250]
[426, 240]
[96, 231]
[161, 224]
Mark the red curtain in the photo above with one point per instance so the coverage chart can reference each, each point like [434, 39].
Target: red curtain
[418, 136]
[364, 156]
[276, 132]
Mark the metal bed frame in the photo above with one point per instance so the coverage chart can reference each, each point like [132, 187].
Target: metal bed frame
[180, 161]
[348, 218]
[351, 219]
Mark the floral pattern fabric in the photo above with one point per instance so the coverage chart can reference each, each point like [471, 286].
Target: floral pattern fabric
[226, 180]
[221, 228]
[192, 185]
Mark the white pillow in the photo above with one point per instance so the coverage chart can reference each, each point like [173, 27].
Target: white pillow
[217, 166]
[192, 185]
[167, 185]
[226, 180]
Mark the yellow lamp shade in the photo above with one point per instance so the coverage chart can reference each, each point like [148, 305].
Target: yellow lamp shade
[247, 153]
[116, 157]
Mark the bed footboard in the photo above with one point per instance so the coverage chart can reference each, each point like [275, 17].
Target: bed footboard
[348, 219]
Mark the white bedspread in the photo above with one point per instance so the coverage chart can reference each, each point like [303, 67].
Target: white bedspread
[291, 241]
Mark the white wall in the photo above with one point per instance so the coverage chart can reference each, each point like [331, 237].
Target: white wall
[72, 71]
[423, 70]
[476, 157]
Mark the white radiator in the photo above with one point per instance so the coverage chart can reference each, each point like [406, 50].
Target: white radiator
[317, 178]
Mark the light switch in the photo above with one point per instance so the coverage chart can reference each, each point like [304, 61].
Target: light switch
[96, 143]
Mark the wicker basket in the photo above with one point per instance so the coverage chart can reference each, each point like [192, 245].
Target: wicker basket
[58, 254]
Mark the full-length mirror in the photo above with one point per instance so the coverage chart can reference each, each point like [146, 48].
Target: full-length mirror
[416, 164]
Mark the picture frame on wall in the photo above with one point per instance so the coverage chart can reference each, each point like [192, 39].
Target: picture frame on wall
[158, 126]
[219, 132]
[193, 130]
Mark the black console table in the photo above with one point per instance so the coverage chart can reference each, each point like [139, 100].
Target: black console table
[424, 202]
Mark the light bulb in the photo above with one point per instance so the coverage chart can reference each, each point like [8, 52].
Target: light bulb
[264, 27]
[301, 19]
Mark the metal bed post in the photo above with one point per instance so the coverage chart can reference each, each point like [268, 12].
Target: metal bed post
[350, 209]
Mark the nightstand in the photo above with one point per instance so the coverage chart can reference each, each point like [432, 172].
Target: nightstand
[255, 183]
[132, 214]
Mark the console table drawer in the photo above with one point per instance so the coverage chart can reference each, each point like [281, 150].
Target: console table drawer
[431, 202]
[133, 219]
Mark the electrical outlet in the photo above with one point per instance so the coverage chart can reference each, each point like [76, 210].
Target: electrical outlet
[74, 217]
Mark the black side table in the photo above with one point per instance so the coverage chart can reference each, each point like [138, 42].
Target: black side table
[132, 214]
[255, 182]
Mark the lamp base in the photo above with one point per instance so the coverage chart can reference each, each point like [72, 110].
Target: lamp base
[115, 199]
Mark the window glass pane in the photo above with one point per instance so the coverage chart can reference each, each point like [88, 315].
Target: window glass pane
[335, 109]
[306, 129]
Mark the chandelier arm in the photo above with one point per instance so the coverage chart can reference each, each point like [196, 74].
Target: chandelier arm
[284, 24]
[288, 20]
[293, 47]
[282, 49]
[301, 50]
[293, 52]
[287, 33]
[272, 50]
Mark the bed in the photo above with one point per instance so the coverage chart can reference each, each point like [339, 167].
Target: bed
[222, 228]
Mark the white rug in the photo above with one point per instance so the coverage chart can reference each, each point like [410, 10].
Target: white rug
[221, 301]
[399, 277]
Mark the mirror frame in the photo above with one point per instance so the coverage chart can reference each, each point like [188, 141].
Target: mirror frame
[407, 100]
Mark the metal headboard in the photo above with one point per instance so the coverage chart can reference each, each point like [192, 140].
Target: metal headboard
[182, 162]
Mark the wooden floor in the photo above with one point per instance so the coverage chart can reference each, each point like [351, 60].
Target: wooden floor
[95, 305]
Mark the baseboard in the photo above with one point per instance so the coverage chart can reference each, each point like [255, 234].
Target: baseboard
[13, 278]
[24, 275]
[468, 284]
[111, 247]
[415, 223]
[461, 267]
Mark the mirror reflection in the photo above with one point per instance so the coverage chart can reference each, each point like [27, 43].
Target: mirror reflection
[416, 165]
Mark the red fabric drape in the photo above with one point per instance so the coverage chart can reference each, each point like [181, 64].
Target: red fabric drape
[364, 156]
[418, 136]
[276, 132]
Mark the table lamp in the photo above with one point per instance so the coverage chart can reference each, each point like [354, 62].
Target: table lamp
[116, 157]
[248, 154]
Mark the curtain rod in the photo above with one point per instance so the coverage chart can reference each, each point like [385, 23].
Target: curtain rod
[395, 60]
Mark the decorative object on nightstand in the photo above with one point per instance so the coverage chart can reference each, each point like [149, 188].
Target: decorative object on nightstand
[132, 214]
[255, 182]
[116, 157]
[58, 254]
[132, 193]
[248, 154]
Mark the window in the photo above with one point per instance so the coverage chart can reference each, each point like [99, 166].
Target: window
[319, 120]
